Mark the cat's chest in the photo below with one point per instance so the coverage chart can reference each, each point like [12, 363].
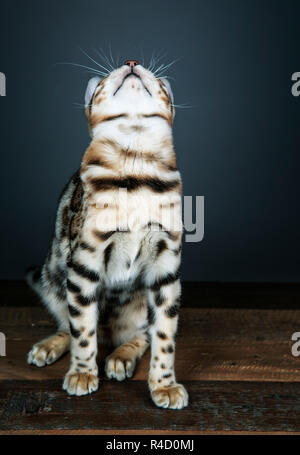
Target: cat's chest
[129, 226]
[127, 210]
[130, 255]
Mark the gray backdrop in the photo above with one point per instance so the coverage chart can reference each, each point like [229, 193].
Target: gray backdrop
[238, 145]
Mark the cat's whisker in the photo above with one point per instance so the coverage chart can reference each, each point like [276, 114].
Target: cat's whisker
[161, 54]
[98, 64]
[93, 70]
[105, 58]
[158, 69]
[142, 55]
[158, 76]
[110, 68]
[165, 67]
[160, 57]
[111, 57]
[80, 105]
[118, 60]
[152, 62]
[155, 60]
[182, 106]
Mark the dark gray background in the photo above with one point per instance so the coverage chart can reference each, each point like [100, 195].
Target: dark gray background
[238, 146]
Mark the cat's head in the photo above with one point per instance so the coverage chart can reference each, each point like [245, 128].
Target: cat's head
[132, 92]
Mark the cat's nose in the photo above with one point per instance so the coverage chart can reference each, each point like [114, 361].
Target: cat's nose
[131, 63]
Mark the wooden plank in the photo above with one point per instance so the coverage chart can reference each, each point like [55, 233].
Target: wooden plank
[195, 294]
[241, 295]
[202, 323]
[236, 363]
[222, 344]
[207, 361]
[214, 407]
[17, 293]
[87, 432]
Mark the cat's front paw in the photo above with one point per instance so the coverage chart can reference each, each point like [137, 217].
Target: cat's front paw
[80, 383]
[49, 350]
[172, 397]
[118, 367]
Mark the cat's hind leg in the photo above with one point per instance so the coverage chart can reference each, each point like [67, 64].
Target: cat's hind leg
[129, 334]
[50, 288]
[120, 364]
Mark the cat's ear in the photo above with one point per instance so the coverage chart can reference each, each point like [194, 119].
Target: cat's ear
[168, 87]
[90, 90]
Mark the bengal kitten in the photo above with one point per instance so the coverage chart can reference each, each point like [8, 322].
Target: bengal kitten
[128, 272]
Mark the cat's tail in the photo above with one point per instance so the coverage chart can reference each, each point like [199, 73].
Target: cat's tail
[33, 278]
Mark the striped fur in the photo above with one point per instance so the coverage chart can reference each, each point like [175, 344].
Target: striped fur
[112, 269]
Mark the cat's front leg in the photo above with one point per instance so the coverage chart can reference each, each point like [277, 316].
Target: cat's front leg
[82, 287]
[163, 304]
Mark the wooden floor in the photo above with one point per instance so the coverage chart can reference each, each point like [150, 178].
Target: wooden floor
[233, 354]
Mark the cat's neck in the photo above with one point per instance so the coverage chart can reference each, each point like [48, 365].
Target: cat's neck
[129, 150]
[134, 133]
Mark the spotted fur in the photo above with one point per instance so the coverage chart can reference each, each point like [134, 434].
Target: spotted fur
[122, 280]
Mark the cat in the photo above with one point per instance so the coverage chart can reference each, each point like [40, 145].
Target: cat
[115, 256]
